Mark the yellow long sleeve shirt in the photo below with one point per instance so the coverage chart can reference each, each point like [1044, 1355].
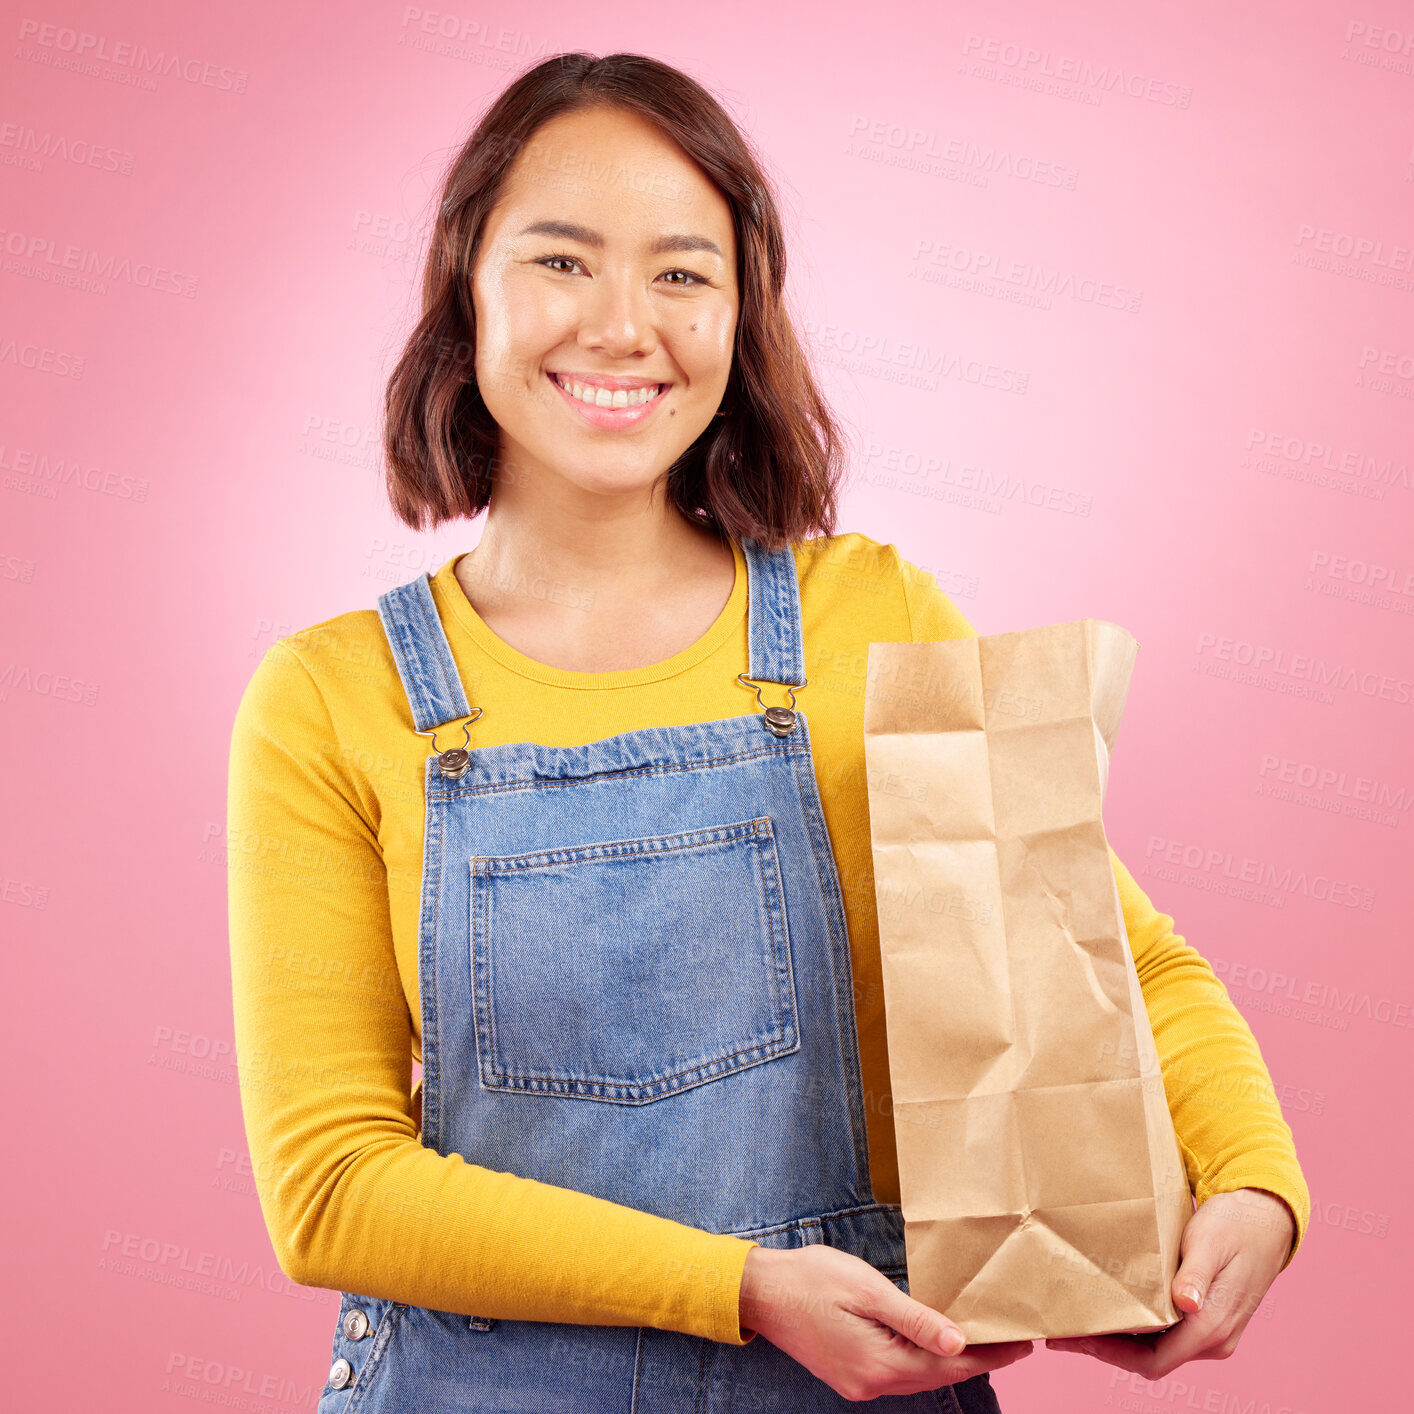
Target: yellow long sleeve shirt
[324, 849]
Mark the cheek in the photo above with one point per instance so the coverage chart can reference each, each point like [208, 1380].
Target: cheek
[705, 342]
[514, 327]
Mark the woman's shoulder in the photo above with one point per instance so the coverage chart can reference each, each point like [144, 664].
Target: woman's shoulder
[851, 590]
[857, 570]
[848, 563]
[845, 549]
[325, 676]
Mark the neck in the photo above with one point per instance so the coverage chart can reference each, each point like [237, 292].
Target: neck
[614, 545]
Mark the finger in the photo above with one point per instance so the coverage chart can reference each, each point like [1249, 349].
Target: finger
[1196, 1272]
[1152, 1357]
[921, 1324]
[919, 1369]
[973, 1361]
[1081, 1343]
[996, 1354]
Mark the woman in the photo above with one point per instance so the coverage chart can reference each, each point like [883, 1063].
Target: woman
[548, 821]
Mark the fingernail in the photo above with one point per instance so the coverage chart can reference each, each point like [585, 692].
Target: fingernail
[953, 1341]
[1193, 1294]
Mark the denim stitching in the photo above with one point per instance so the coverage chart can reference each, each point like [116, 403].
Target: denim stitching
[481, 977]
[706, 1348]
[427, 976]
[453, 692]
[809, 789]
[404, 655]
[756, 657]
[621, 849]
[371, 1366]
[428, 673]
[778, 1042]
[779, 926]
[773, 651]
[452, 790]
[637, 1368]
[833, 1215]
[578, 1088]
[431, 680]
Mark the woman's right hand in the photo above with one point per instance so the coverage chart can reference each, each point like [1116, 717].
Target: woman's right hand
[851, 1327]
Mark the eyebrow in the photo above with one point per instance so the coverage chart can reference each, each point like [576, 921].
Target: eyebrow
[567, 230]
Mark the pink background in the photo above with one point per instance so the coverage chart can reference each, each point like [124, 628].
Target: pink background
[1173, 292]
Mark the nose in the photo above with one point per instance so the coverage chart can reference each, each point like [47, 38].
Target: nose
[617, 318]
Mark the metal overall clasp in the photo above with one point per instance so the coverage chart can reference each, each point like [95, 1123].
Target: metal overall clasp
[780, 720]
[456, 760]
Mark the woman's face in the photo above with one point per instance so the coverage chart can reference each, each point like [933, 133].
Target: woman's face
[609, 262]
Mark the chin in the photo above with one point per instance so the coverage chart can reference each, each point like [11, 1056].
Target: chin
[613, 484]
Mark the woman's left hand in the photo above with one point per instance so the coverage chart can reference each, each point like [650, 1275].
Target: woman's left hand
[1230, 1253]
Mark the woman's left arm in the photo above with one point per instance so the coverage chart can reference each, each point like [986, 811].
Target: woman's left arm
[1253, 1203]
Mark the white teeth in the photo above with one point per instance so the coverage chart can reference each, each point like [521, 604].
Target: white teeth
[604, 398]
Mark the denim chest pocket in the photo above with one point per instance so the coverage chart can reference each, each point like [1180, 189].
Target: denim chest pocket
[631, 969]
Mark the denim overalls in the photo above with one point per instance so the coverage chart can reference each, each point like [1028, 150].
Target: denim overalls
[636, 983]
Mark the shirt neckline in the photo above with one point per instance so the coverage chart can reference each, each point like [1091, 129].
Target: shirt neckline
[451, 599]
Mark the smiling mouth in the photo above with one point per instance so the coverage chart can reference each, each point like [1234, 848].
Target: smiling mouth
[591, 395]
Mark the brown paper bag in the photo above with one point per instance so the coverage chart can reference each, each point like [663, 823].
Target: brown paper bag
[1042, 1187]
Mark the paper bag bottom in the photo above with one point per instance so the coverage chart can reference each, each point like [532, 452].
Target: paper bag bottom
[1051, 1273]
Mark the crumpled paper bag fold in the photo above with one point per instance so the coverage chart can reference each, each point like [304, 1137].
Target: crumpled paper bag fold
[1042, 1186]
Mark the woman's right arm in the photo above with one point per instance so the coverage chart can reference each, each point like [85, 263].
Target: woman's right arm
[352, 1200]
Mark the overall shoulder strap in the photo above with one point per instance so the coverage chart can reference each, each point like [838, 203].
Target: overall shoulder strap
[423, 655]
[773, 610]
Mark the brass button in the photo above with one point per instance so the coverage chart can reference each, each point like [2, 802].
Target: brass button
[355, 1324]
[341, 1375]
[780, 720]
[454, 763]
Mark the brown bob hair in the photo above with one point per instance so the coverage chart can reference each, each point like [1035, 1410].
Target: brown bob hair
[769, 467]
